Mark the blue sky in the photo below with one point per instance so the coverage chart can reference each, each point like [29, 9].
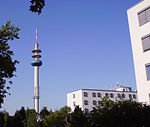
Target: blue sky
[84, 43]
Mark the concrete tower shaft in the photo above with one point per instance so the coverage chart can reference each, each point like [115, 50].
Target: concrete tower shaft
[36, 63]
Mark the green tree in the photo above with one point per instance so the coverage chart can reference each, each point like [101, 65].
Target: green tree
[57, 118]
[37, 6]
[2, 120]
[7, 64]
[145, 115]
[18, 120]
[127, 113]
[6, 117]
[44, 112]
[31, 118]
[119, 114]
[78, 118]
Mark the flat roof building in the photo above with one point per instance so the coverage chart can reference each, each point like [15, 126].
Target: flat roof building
[86, 99]
[139, 25]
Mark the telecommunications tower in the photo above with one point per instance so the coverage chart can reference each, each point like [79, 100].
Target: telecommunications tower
[36, 63]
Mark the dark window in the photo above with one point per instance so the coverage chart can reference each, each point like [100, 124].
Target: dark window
[99, 94]
[123, 95]
[94, 94]
[99, 102]
[134, 96]
[74, 103]
[94, 102]
[144, 16]
[130, 96]
[106, 94]
[148, 14]
[86, 110]
[112, 95]
[85, 94]
[148, 72]
[85, 102]
[146, 43]
[112, 102]
[119, 95]
[73, 95]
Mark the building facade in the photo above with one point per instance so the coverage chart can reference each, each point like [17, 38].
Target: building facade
[139, 25]
[86, 99]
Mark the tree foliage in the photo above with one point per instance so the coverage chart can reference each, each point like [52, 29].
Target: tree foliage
[37, 6]
[2, 120]
[44, 112]
[119, 114]
[78, 118]
[7, 64]
[18, 120]
[57, 118]
[31, 118]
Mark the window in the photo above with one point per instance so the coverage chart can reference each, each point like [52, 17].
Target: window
[99, 102]
[146, 43]
[112, 102]
[74, 103]
[73, 95]
[119, 95]
[130, 96]
[134, 96]
[106, 94]
[94, 94]
[148, 71]
[85, 102]
[99, 94]
[94, 102]
[144, 16]
[112, 95]
[86, 110]
[123, 95]
[85, 94]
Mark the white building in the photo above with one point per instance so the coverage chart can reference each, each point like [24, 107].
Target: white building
[139, 25]
[86, 99]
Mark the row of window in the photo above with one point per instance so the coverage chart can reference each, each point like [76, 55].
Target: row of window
[111, 95]
[94, 102]
[87, 103]
[146, 47]
[93, 94]
[144, 17]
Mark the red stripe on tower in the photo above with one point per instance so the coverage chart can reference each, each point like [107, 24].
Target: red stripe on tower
[36, 34]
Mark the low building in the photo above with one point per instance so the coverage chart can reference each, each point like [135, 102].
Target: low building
[86, 99]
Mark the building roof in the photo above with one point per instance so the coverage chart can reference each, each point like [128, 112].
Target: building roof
[105, 90]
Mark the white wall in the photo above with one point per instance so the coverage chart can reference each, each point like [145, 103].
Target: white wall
[79, 97]
[140, 58]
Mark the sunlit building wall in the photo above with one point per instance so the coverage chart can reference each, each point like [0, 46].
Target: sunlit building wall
[139, 25]
[86, 99]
